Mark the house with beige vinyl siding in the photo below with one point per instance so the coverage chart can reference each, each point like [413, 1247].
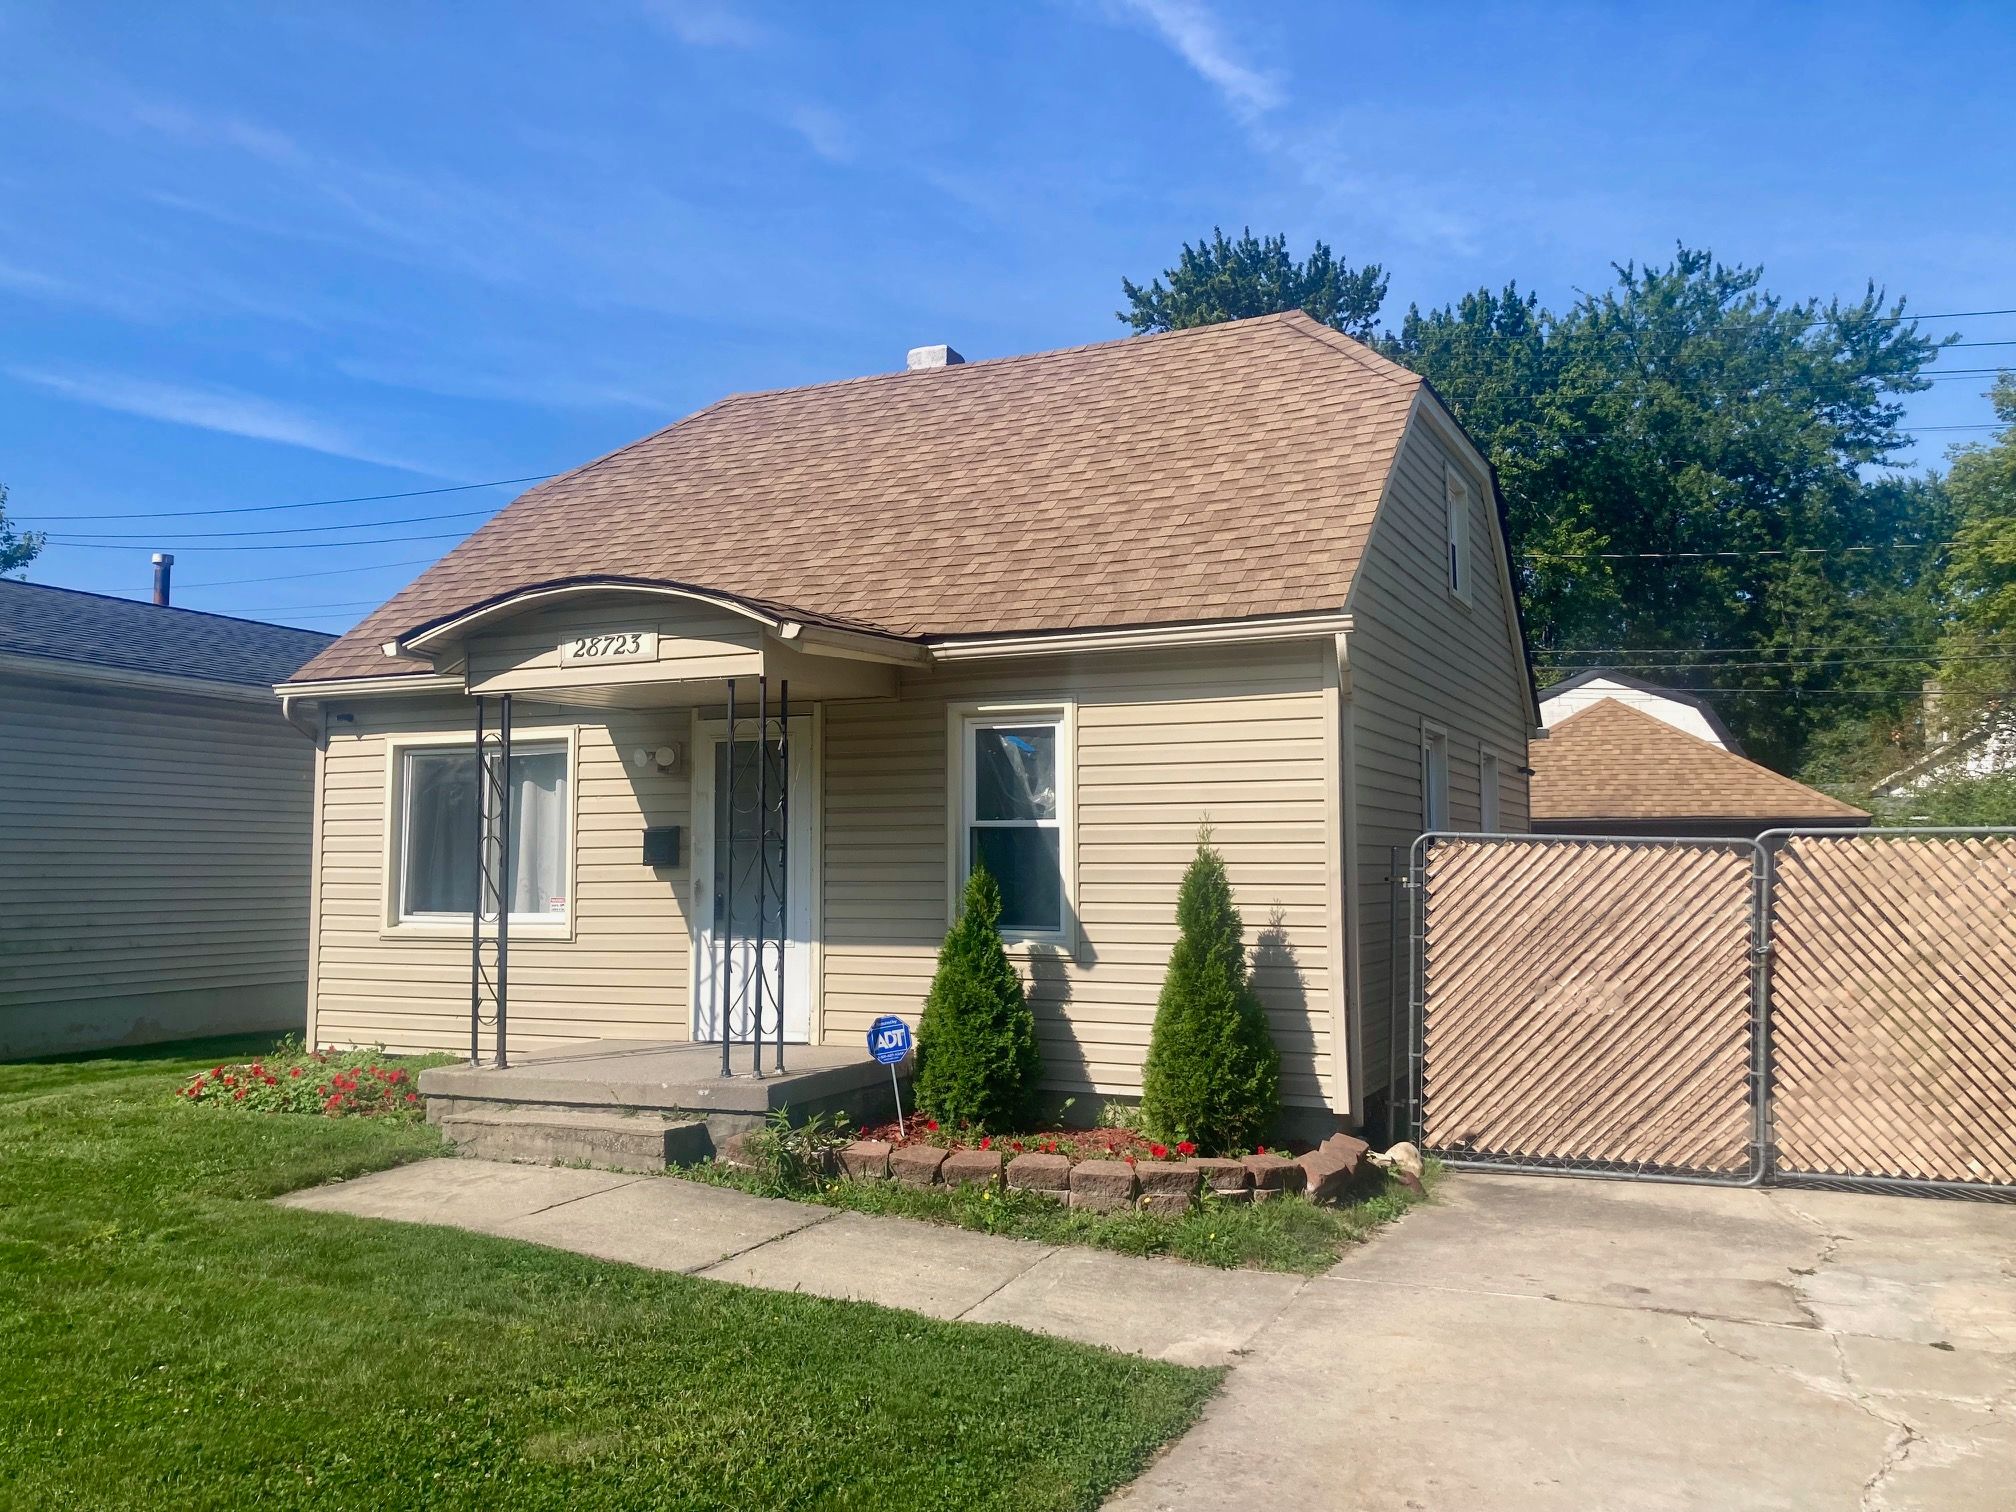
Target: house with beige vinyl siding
[777, 674]
[155, 814]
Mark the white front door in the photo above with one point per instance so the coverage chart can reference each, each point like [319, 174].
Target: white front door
[752, 902]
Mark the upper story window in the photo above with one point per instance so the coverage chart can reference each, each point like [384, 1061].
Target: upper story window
[1434, 781]
[437, 833]
[1014, 818]
[1456, 496]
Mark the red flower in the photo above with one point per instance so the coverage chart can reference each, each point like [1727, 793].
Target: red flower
[239, 1095]
[412, 1097]
[1160, 1152]
[1260, 1149]
[295, 1072]
[986, 1141]
[1185, 1147]
[931, 1124]
[1016, 1145]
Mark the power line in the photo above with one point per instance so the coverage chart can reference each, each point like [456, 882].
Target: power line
[1871, 661]
[170, 539]
[453, 535]
[1746, 650]
[1761, 551]
[290, 577]
[413, 493]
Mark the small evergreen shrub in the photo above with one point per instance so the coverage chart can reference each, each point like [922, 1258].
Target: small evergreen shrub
[1213, 1075]
[977, 1061]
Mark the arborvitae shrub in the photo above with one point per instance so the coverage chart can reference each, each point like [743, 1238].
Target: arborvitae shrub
[1213, 1074]
[977, 1061]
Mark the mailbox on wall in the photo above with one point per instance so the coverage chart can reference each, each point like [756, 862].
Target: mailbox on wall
[661, 845]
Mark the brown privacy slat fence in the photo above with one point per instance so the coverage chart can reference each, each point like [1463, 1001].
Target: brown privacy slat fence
[1837, 1007]
[1893, 1006]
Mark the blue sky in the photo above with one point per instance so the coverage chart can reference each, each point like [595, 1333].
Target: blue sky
[258, 254]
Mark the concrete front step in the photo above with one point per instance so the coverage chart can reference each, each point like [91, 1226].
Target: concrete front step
[566, 1136]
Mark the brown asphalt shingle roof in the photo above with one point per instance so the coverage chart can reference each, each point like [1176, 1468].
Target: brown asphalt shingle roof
[1612, 761]
[1222, 472]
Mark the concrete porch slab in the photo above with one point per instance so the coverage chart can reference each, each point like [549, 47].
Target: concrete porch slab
[471, 1194]
[944, 1272]
[664, 1225]
[669, 1077]
[1163, 1309]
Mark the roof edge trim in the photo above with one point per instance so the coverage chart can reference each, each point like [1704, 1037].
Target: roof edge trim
[426, 637]
[1147, 637]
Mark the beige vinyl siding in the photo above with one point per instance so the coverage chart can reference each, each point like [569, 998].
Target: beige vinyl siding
[154, 873]
[617, 970]
[1163, 740]
[1418, 654]
[694, 641]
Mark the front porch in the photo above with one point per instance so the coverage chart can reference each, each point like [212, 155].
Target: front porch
[639, 1104]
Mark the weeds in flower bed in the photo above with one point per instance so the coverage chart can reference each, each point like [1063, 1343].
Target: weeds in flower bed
[1286, 1234]
[330, 1082]
[1108, 1142]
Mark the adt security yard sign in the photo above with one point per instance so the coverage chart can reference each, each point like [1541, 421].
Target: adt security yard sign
[889, 1042]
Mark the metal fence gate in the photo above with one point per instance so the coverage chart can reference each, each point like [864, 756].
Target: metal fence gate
[1836, 1006]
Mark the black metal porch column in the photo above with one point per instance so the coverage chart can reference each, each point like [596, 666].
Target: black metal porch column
[476, 902]
[724, 887]
[503, 878]
[783, 858]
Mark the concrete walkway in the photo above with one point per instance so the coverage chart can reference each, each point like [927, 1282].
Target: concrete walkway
[1164, 1309]
[1534, 1342]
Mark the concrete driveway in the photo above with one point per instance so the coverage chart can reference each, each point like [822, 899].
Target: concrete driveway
[1538, 1342]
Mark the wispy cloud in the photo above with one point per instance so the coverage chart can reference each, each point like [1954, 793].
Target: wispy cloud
[1197, 38]
[705, 23]
[1323, 157]
[823, 130]
[227, 411]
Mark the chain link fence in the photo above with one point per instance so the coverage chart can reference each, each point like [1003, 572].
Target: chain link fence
[1821, 1006]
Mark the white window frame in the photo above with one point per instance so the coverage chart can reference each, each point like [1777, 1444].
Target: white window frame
[1490, 814]
[1434, 741]
[962, 721]
[1456, 502]
[396, 922]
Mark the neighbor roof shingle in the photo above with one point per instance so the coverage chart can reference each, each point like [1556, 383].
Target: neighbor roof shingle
[1222, 472]
[64, 624]
[1611, 761]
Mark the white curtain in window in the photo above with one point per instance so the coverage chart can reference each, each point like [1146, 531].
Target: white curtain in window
[539, 833]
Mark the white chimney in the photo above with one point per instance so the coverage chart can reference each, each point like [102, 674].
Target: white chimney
[937, 356]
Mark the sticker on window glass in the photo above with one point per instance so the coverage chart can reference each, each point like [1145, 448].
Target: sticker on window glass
[556, 904]
[1015, 773]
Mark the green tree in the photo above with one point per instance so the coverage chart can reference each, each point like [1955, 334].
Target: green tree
[1682, 460]
[1220, 280]
[977, 1061]
[1212, 1074]
[17, 547]
[1981, 576]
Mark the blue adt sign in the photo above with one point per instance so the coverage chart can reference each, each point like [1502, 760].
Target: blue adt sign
[889, 1039]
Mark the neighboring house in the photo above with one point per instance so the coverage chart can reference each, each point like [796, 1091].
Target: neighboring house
[1615, 768]
[1986, 749]
[1057, 611]
[156, 806]
[1683, 711]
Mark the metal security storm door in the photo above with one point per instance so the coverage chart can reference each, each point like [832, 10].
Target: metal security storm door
[752, 882]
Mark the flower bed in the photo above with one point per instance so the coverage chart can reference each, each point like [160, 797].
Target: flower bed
[329, 1082]
[1073, 1144]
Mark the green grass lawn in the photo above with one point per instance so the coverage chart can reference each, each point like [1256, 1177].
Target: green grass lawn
[171, 1340]
[1288, 1234]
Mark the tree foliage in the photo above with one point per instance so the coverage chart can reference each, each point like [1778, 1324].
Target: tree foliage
[1981, 576]
[17, 547]
[977, 1061]
[1212, 1074]
[1682, 458]
[1220, 279]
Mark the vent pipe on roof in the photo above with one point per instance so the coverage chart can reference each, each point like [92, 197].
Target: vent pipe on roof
[164, 567]
[937, 356]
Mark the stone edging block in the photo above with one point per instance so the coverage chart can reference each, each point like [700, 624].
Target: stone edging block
[1103, 1186]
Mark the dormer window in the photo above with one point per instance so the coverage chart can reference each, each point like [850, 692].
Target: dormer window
[1456, 496]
